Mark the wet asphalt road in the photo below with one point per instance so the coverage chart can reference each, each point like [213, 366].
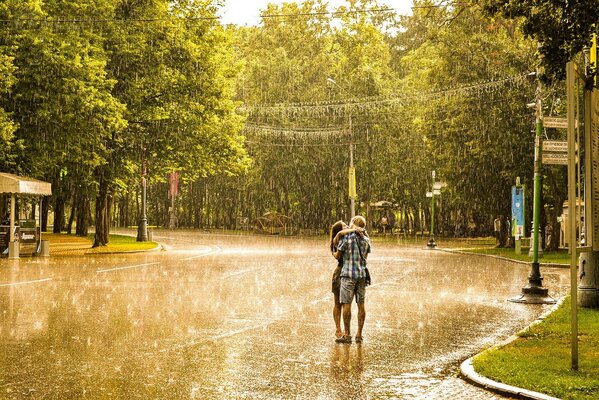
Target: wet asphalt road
[218, 317]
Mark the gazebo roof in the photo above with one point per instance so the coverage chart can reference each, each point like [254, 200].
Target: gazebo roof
[10, 183]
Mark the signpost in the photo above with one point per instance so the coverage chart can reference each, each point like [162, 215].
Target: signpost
[555, 158]
[555, 122]
[559, 146]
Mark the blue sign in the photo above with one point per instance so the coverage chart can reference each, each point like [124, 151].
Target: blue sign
[518, 210]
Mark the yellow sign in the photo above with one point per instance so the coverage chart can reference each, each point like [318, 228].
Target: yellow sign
[352, 183]
[593, 60]
[594, 52]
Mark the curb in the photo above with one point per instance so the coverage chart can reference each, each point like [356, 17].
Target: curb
[158, 247]
[469, 374]
[552, 265]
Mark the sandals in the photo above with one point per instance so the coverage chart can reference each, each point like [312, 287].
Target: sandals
[346, 339]
[359, 339]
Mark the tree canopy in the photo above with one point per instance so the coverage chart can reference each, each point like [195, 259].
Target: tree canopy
[258, 119]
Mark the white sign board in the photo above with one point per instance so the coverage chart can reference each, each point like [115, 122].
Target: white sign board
[555, 146]
[429, 194]
[555, 158]
[555, 122]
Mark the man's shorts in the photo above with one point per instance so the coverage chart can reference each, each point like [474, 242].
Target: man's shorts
[351, 287]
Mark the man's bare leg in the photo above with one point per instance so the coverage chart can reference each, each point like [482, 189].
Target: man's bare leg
[361, 319]
[347, 318]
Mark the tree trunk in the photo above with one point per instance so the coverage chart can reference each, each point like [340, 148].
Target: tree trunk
[58, 214]
[82, 215]
[45, 207]
[102, 211]
[72, 214]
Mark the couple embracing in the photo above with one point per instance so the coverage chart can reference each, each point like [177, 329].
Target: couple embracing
[350, 245]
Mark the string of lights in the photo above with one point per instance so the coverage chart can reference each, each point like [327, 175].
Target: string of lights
[353, 106]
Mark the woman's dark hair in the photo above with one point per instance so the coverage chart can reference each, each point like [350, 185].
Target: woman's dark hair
[335, 229]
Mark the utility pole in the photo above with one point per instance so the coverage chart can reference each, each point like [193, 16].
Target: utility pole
[352, 174]
[352, 170]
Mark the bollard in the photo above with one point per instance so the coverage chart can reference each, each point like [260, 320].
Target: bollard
[588, 295]
[150, 234]
[13, 250]
[45, 248]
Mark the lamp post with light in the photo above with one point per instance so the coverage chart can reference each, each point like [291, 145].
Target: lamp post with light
[436, 191]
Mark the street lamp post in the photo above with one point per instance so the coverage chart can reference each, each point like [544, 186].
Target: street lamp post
[434, 190]
[352, 169]
[534, 292]
[142, 228]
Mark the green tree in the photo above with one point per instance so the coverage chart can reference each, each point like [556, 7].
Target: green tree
[561, 27]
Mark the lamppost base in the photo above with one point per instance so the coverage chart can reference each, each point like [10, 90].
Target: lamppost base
[534, 295]
[142, 230]
[431, 244]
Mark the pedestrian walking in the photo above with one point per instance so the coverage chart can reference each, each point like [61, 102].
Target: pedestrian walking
[353, 249]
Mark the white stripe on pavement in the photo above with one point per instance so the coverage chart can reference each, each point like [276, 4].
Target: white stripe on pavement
[25, 283]
[127, 267]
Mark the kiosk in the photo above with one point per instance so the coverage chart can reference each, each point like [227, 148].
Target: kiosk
[24, 236]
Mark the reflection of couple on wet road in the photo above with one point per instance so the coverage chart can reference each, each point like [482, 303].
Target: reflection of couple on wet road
[350, 245]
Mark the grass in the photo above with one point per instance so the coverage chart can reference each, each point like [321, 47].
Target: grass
[63, 244]
[540, 358]
[120, 243]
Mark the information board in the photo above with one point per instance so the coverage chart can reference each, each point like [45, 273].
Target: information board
[518, 207]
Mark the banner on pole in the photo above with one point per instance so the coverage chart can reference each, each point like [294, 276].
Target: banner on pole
[518, 207]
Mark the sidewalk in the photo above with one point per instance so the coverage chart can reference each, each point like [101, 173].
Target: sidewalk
[67, 245]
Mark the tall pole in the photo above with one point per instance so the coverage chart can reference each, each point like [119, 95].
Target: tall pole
[142, 229]
[431, 241]
[534, 292]
[352, 174]
[535, 274]
[572, 203]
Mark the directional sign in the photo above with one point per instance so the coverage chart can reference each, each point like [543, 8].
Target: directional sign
[555, 158]
[555, 146]
[555, 122]
[437, 192]
[429, 194]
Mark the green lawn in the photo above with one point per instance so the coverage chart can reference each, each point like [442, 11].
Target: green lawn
[540, 358]
[121, 243]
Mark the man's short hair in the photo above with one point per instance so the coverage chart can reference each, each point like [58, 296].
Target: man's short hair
[359, 220]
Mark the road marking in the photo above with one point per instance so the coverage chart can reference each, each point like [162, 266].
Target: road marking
[128, 267]
[214, 250]
[25, 283]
